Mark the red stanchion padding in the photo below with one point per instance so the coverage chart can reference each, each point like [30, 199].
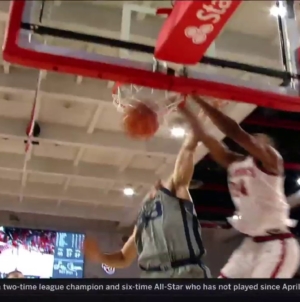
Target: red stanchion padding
[191, 28]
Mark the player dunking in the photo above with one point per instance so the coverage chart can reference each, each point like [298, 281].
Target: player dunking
[167, 236]
[256, 185]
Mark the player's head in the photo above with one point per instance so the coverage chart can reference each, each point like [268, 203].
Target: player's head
[265, 139]
[15, 275]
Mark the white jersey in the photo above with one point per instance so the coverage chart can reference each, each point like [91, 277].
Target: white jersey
[259, 199]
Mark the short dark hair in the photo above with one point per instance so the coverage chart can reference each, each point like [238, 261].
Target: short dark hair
[13, 274]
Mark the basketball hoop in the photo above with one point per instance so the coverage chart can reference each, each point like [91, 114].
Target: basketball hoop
[159, 101]
[145, 109]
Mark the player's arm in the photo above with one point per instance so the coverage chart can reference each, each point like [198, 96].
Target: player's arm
[182, 175]
[218, 150]
[264, 153]
[120, 259]
[184, 165]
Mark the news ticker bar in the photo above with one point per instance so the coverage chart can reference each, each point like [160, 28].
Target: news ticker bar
[195, 287]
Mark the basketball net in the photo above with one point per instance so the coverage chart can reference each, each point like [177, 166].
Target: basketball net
[159, 101]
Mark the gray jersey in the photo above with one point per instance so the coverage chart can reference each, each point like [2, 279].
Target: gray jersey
[167, 231]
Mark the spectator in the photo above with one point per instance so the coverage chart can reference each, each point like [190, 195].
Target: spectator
[15, 275]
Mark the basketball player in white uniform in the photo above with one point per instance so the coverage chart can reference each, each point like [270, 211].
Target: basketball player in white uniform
[256, 185]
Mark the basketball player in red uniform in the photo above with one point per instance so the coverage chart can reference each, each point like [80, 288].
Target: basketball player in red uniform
[256, 185]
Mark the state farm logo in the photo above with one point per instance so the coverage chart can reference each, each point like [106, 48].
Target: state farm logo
[212, 14]
[199, 34]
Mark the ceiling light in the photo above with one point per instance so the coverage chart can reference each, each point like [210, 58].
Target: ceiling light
[128, 191]
[278, 10]
[236, 217]
[298, 181]
[178, 132]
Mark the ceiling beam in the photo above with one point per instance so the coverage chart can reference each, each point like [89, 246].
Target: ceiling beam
[147, 5]
[65, 168]
[79, 80]
[35, 205]
[6, 67]
[91, 128]
[77, 137]
[57, 86]
[84, 196]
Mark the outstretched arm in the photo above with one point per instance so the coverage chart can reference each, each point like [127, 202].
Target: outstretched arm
[267, 155]
[218, 150]
[184, 166]
[120, 259]
[184, 169]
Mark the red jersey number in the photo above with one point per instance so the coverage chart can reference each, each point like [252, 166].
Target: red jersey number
[238, 189]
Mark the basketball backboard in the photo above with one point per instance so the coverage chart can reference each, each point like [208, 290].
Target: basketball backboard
[242, 41]
[33, 24]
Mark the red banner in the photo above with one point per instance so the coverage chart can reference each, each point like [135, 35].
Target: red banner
[191, 28]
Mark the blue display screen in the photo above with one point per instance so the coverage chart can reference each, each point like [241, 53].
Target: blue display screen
[68, 256]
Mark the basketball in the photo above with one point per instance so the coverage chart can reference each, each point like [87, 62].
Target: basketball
[140, 122]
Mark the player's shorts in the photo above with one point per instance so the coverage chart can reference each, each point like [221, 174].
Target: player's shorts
[273, 256]
[198, 270]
